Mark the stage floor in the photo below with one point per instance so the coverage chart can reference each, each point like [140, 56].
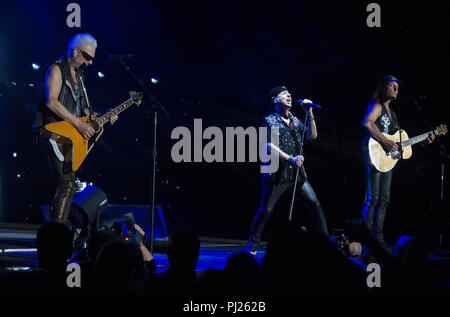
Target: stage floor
[18, 250]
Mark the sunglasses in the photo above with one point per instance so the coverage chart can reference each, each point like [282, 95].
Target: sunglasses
[86, 55]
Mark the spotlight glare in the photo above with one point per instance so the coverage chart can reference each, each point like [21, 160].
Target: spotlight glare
[35, 66]
[154, 80]
[100, 75]
[14, 154]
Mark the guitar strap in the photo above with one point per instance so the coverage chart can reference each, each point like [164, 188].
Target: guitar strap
[394, 116]
[91, 112]
[395, 120]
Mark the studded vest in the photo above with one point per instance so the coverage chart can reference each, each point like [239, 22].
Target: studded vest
[290, 138]
[71, 96]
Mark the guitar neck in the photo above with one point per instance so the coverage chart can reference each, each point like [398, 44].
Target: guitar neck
[417, 139]
[105, 118]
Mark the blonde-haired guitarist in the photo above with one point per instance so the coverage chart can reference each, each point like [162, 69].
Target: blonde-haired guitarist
[65, 98]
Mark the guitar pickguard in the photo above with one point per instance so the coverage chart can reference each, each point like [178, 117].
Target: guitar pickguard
[92, 141]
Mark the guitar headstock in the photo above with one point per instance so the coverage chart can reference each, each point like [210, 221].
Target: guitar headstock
[442, 129]
[136, 97]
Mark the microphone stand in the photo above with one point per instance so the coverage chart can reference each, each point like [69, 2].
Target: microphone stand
[298, 168]
[156, 105]
[444, 155]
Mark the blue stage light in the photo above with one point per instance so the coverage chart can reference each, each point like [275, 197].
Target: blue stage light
[154, 80]
[35, 66]
[100, 75]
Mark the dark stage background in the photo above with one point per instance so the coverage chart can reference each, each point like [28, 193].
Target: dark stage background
[216, 60]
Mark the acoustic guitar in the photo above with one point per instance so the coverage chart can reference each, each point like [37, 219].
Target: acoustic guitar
[383, 161]
[63, 132]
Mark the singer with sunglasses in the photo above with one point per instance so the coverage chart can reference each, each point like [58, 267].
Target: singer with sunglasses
[64, 97]
[274, 185]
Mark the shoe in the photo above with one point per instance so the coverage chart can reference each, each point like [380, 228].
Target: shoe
[79, 186]
[385, 246]
[251, 249]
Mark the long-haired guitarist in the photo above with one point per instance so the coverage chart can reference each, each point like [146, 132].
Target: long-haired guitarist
[64, 98]
[379, 119]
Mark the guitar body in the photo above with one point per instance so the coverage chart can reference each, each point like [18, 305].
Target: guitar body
[383, 161]
[63, 132]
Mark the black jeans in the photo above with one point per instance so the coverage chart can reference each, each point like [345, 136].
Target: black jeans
[65, 180]
[270, 196]
[377, 199]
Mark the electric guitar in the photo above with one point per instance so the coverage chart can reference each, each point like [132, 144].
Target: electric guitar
[383, 161]
[63, 132]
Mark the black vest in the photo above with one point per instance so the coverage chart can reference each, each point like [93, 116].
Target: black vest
[384, 123]
[66, 96]
[289, 138]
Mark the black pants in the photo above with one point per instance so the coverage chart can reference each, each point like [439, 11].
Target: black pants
[271, 194]
[65, 180]
[377, 199]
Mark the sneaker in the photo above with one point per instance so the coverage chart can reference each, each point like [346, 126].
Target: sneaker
[386, 246]
[79, 186]
[251, 249]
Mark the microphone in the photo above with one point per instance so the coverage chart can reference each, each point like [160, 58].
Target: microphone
[120, 57]
[300, 102]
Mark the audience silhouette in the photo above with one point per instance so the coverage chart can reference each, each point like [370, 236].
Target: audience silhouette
[296, 262]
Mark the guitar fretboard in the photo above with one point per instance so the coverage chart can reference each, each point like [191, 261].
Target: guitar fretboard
[105, 118]
[417, 139]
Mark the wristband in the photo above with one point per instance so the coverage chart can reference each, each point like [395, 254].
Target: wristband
[311, 118]
[291, 159]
